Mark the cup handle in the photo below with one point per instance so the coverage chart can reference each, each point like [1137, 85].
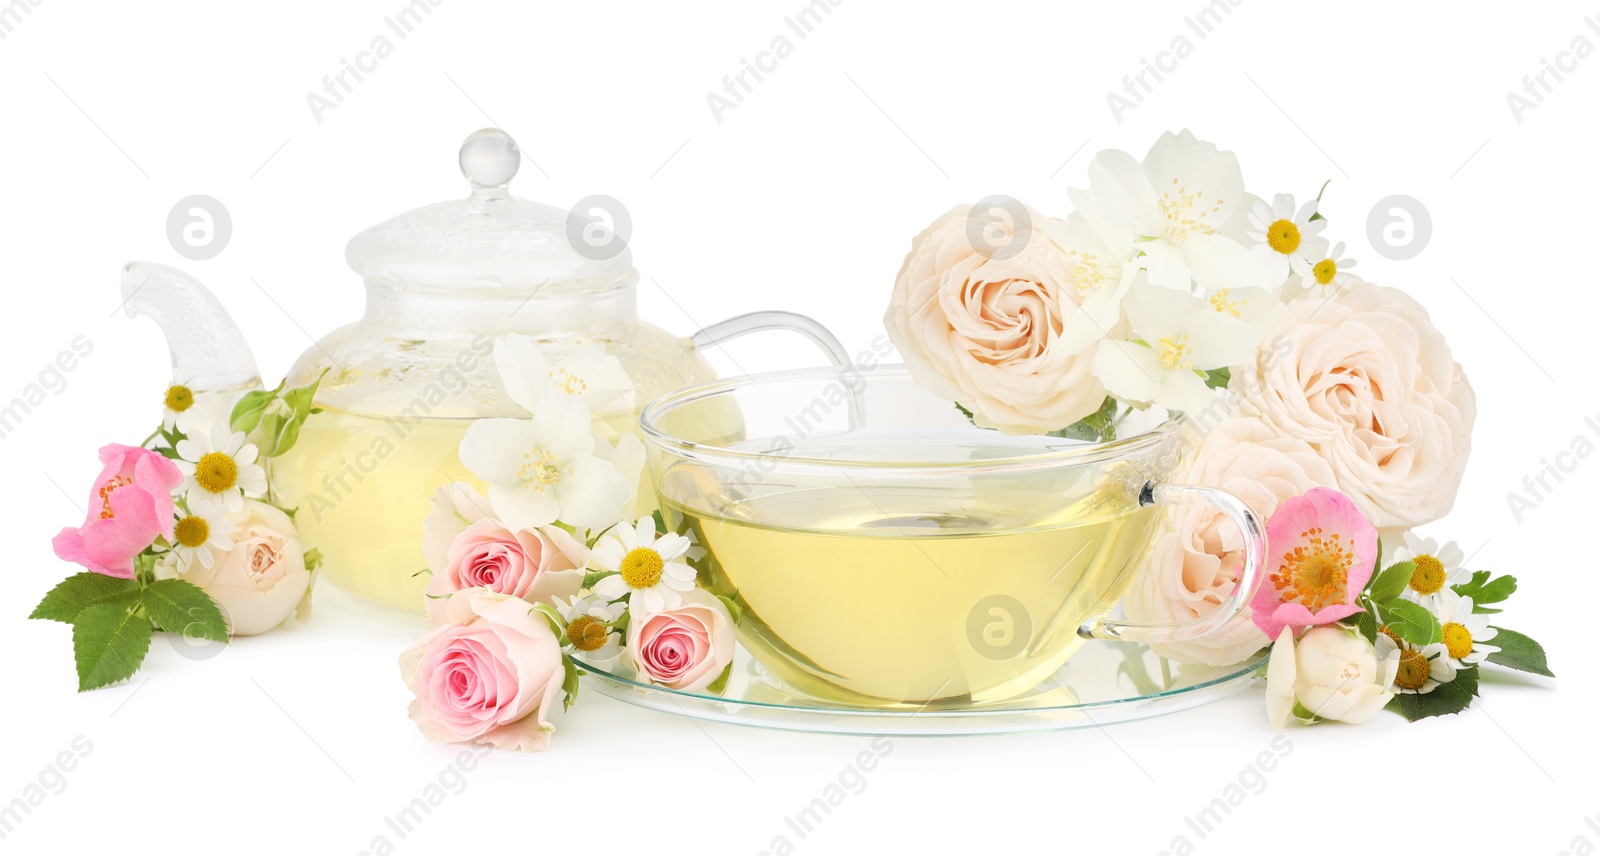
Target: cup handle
[1255, 549]
[755, 322]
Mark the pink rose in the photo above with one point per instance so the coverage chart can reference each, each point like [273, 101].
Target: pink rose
[686, 647]
[131, 505]
[990, 330]
[455, 507]
[533, 564]
[1321, 551]
[490, 675]
[1197, 552]
[262, 580]
[1369, 383]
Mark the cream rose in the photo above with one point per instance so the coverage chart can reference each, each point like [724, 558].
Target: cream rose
[1332, 672]
[1369, 383]
[263, 579]
[985, 326]
[1197, 552]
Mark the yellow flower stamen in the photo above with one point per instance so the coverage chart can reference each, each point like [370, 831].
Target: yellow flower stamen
[192, 531]
[1428, 576]
[1174, 352]
[1186, 213]
[568, 382]
[540, 469]
[1221, 303]
[641, 568]
[105, 494]
[1414, 670]
[179, 398]
[1316, 573]
[587, 633]
[1283, 236]
[1457, 640]
[216, 472]
[1325, 271]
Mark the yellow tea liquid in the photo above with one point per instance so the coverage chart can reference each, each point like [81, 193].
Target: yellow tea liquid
[363, 485]
[885, 596]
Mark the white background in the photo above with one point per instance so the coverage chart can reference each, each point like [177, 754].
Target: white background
[804, 197]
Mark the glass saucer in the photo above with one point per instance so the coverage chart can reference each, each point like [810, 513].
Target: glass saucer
[1104, 682]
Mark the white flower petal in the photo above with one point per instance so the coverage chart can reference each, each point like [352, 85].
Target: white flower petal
[1129, 371]
[495, 449]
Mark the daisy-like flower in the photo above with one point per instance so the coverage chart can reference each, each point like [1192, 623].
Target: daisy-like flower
[183, 408]
[1422, 669]
[1465, 632]
[1438, 568]
[544, 469]
[644, 566]
[1179, 336]
[205, 529]
[591, 627]
[1281, 232]
[220, 467]
[1330, 275]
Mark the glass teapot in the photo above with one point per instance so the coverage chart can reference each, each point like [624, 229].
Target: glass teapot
[400, 385]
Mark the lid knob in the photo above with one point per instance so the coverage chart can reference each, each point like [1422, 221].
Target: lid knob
[489, 158]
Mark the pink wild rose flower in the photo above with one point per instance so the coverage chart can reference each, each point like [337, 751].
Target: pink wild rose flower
[130, 506]
[1321, 551]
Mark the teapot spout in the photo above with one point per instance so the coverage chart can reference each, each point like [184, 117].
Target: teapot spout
[208, 351]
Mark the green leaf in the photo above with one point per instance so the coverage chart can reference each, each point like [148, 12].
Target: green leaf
[1411, 622]
[964, 412]
[593, 577]
[313, 558]
[247, 412]
[1218, 378]
[179, 606]
[569, 682]
[1482, 589]
[1392, 582]
[1519, 652]
[721, 683]
[1367, 623]
[82, 590]
[1097, 427]
[734, 609]
[1453, 697]
[1303, 714]
[109, 643]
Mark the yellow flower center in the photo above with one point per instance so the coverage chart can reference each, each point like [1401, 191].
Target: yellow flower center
[641, 568]
[1284, 236]
[1186, 212]
[192, 531]
[1174, 352]
[1429, 575]
[179, 398]
[587, 633]
[105, 494]
[1221, 303]
[540, 469]
[1413, 672]
[1087, 276]
[1325, 271]
[216, 472]
[568, 382]
[1315, 573]
[1457, 640]
[1393, 636]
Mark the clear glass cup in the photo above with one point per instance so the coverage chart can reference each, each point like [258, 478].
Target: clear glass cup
[887, 553]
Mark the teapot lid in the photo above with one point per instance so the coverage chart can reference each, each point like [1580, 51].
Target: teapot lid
[492, 240]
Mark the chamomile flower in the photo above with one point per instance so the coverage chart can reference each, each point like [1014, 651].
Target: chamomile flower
[1282, 232]
[200, 533]
[1465, 632]
[183, 408]
[644, 566]
[590, 627]
[1421, 670]
[1330, 275]
[1438, 568]
[220, 467]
